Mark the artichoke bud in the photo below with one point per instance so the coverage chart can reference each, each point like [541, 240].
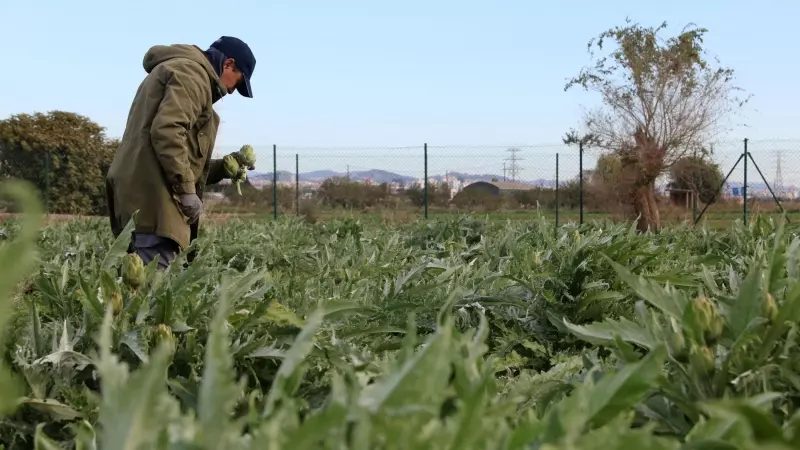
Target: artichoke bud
[163, 333]
[714, 331]
[709, 319]
[133, 273]
[677, 344]
[702, 309]
[703, 359]
[247, 157]
[770, 307]
[116, 302]
[230, 165]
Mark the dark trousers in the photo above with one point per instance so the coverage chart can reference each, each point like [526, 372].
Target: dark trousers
[151, 247]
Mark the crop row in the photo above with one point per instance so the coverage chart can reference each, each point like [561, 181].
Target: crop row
[457, 334]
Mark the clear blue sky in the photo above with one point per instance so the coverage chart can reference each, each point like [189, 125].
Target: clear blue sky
[371, 73]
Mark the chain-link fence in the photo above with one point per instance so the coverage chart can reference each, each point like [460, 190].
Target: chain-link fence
[564, 183]
[761, 178]
[510, 182]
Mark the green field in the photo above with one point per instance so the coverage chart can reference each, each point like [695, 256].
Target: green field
[719, 215]
[716, 218]
[452, 333]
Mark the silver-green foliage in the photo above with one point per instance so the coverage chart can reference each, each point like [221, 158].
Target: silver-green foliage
[457, 336]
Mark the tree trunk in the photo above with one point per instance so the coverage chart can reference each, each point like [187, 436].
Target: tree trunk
[645, 206]
[642, 163]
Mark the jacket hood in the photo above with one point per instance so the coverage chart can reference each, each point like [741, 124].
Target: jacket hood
[158, 54]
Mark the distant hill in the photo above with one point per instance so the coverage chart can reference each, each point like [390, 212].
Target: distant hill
[385, 176]
[375, 175]
[283, 175]
[379, 176]
[319, 175]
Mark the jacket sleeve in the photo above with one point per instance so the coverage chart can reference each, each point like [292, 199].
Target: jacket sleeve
[179, 109]
[216, 173]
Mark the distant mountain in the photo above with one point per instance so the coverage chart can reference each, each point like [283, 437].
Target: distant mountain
[319, 175]
[380, 176]
[375, 175]
[283, 175]
[385, 176]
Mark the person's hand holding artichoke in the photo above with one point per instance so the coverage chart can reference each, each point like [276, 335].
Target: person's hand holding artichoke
[238, 163]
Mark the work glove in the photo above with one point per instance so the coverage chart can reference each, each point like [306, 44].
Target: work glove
[191, 206]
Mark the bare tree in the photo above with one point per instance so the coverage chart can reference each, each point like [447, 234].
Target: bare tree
[661, 100]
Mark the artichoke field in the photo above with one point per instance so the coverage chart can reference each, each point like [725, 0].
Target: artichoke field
[458, 334]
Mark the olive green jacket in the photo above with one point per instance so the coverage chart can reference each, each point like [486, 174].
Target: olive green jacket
[166, 148]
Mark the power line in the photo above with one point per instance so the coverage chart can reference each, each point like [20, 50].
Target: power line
[779, 174]
[513, 168]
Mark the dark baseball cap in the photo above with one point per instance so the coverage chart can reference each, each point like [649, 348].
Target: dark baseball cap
[235, 48]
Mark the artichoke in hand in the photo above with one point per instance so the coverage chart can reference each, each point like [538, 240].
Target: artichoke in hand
[238, 163]
[246, 157]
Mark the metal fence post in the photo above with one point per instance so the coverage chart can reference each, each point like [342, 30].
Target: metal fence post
[297, 183]
[425, 182]
[580, 179]
[744, 188]
[556, 230]
[274, 181]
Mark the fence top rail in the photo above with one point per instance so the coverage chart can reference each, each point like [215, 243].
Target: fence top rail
[521, 145]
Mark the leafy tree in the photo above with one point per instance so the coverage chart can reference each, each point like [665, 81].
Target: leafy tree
[343, 193]
[697, 174]
[438, 194]
[64, 154]
[661, 99]
[608, 169]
